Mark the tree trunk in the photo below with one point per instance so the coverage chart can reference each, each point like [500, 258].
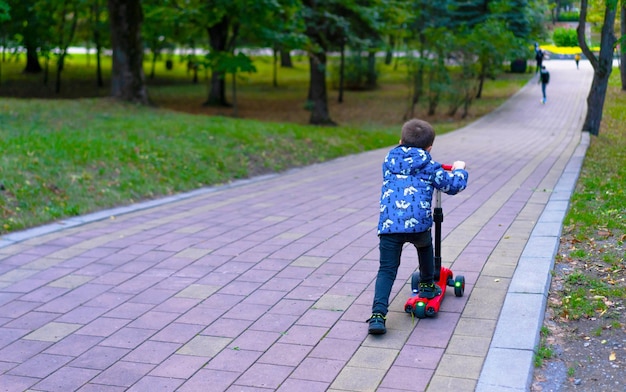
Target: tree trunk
[342, 67]
[275, 67]
[99, 65]
[317, 91]
[285, 59]
[95, 16]
[622, 55]
[127, 76]
[371, 77]
[390, 49]
[602, 65]
[218, 39]
[32, 61]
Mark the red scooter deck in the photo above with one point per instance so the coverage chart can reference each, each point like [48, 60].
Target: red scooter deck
[424, 307]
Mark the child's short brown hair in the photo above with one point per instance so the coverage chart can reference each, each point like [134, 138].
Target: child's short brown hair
[417, 133]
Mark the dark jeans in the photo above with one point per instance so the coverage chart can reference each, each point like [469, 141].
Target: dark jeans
[390, 251]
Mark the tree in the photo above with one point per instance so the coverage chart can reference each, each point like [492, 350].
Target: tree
[5, 16]
[602, 64]
[622, 45]
[64, 14]
[127, 77]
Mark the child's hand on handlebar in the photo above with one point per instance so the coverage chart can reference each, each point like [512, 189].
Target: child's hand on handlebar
[458, 165]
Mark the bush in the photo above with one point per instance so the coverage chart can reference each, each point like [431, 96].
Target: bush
[569, 16]
[565, 37]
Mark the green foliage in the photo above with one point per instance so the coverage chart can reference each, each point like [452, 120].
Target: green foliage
[5, 11]
[569, 16]
[544, 350]
[565, 37]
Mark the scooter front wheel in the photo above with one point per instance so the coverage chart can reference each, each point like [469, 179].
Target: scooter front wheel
[459, 285]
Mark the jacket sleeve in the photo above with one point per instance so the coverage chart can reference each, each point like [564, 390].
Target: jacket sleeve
[451, 183]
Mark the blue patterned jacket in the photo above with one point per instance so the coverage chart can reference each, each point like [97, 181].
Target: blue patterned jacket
[410, 177]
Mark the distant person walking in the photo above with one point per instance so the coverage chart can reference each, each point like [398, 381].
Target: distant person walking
[539, 58]
[577, 59]
[544, 79]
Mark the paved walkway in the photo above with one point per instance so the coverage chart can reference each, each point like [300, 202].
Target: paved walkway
[266, 284]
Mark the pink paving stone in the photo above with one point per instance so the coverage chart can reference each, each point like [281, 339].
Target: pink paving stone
[255, 340]
[340, 349]
[99, 358]
[18, 308]
[123, 374]
[244, 311]
[152, 352]
[350, 330]
[406, 379]
[81, 315]
[113, 277]
[108, 300]
[264, 297]
[233, 360]
[103, 326]
[306, 293]
[177, 333]
[257, 275]
[66, 379]
[151, 383]
[264, 376]
[225, 327]
[40, 365]
[281, 284]
[304, 334]
[318, 369]
[179, 366]
[154, 320]
[176, 305]
[31, 321]
[294, 307]
[20, 350]
[321, 280]
[285, 354]
[200, 315]
[222, 301]
[434, 332]
[291, 385]
[274, 322]
[10, 383]
[128, 337]
[74, 345]
[239, 287]
[319, 318]
[209, 380]
[101, 388]
[129, 310]
[419, 357]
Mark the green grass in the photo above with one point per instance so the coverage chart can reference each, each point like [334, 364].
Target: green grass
[72, 156]
[544, 350]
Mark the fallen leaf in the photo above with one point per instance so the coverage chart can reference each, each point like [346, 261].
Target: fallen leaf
[612, 356]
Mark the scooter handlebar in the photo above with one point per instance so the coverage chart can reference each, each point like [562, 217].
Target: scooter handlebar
[447, 167]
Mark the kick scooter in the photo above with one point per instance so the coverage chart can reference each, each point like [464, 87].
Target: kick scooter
[424, 307]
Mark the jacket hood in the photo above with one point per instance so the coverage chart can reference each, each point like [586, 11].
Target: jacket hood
[406, 160]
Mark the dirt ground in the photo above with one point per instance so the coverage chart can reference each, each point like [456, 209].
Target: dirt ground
[589, 354]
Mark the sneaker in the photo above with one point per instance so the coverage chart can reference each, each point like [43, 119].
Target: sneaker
[377, 324]
[429, 290]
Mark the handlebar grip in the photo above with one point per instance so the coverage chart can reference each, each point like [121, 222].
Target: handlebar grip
[447, 167]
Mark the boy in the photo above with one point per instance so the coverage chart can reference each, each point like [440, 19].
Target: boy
[544, 79]
[410, 177]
